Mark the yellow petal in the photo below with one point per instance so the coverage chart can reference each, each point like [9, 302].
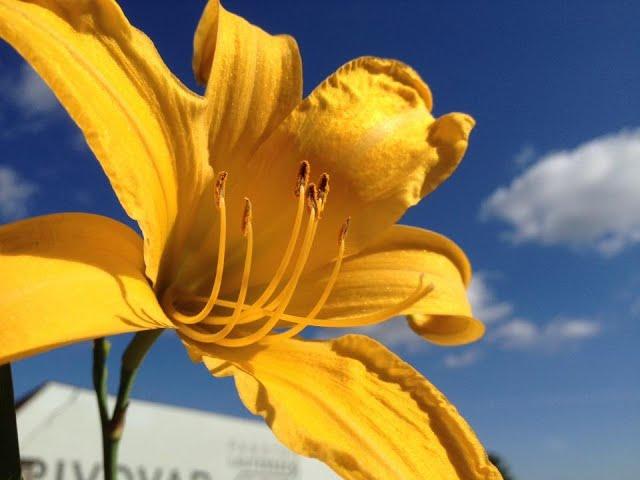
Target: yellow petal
[71, 277]
[370, 127]
[136, 116]
[253, 81]
[355, 406]
[387, 272]
[446, 330]
[204, 41]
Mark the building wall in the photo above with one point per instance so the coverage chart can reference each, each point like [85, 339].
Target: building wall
[60, 440]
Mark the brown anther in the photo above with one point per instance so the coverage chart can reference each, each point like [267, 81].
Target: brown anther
[303, 177]
[343, 230]
[246, 217]
[323, 187]
[221, 182]
[312, 198]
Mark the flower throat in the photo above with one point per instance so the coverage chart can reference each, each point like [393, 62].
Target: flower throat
[255, 322]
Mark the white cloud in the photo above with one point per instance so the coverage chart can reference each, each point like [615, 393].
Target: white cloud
[523, 334]
[525, 156]
[483, 302]
[572, 329]
[464, 359]
[78, 143]
[31, 94]
[32, 103]
[508, 331]
[15, 194]
[395, 334]
[585, 197]
[505, 331]
[516, 333]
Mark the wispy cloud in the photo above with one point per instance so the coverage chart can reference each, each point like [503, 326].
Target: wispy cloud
[463, 359]
[31, 94]
[28, 99]
[505, 330]
[584, 197]
[483, 301]
[16, 194]
[523, 334]
[525, 156]
[394, 333]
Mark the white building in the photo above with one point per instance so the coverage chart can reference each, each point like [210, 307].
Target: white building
[60, 440]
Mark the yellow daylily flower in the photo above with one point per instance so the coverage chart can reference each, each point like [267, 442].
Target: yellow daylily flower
[241, 259]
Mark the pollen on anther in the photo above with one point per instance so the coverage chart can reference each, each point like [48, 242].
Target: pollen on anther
[344, 230]
[312, 197]
[246, 217]
[221, 182]
[323, 186]
[303, 177]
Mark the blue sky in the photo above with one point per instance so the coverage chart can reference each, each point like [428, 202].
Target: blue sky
[546, 204]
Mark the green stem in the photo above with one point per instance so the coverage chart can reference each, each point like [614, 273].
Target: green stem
[9, 447]
[101, 347]
[113, 426]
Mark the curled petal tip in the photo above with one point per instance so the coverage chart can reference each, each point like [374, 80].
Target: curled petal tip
[452, 128]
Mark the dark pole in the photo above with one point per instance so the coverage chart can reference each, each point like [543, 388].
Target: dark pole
[9, 448]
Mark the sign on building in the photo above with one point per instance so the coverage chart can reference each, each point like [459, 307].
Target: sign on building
[60, 440]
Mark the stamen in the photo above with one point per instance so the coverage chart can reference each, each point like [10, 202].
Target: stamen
[254, 312]
[323, 191]
[221, 183]
[303, 177]
[242, 295]
[312, 198]
[288, 254]
[288, 290]
[381, 315]
[269, 308]
[328, 288]
[168, 298]
[343, 231]
[312, 205]
[247, 216]
[378, 316]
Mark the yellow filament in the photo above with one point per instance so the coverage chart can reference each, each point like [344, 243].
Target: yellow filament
[206, 337]
[381, 315]
[354, 321]
[269, 306]
[254, 311]
[313, 203]
[167, 301]
[288, 291]
[293, 331]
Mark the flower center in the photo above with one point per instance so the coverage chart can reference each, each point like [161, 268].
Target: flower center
[251, 323]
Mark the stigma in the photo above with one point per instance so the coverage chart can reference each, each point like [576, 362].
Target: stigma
[266, 319]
